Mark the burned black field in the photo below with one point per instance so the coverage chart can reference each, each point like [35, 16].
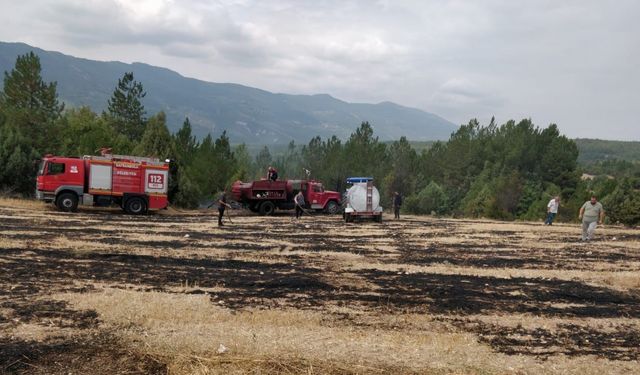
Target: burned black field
[481, 296]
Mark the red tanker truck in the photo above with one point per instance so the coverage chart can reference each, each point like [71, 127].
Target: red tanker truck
[264, 196]
[136, 184]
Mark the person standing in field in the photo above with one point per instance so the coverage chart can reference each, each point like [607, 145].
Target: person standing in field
[299, 201]
[397, 202]
[552, 210]
[222, 204]
[591, 214]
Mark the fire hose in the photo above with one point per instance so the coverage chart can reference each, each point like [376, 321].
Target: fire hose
[223, 215]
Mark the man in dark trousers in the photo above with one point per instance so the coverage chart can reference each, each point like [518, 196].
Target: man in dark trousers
[222, 204]
[397, 202]
[299, 200]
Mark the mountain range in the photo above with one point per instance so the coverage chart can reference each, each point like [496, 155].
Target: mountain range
[248, 114]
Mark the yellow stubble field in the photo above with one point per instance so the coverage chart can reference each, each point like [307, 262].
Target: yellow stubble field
[101, 292]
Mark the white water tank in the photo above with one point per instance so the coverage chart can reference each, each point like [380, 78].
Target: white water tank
[357, 197]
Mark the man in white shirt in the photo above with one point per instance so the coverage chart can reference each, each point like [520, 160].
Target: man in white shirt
[552, 210]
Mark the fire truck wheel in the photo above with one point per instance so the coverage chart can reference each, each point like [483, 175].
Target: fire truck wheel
[135, 206]
[67, 202]
[332, 208]
[267, 208]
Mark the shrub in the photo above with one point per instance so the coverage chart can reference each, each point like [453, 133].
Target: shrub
[430, 199]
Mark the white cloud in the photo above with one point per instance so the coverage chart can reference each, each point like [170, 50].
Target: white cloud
[567, 62]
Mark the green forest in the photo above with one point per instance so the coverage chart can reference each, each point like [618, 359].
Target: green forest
[508, 171]
[595, 150]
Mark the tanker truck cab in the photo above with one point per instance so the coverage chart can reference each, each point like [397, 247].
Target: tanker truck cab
[319, 199]
[362, 200]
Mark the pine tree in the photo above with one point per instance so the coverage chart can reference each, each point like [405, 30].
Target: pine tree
[30, 104]
[188, 194]
[263, 161]
[185, 143]
[430, 199]
[243, 162]
[17, 157]
[623, 203]
[403, 163]
[125, 109]
[156, 140]
[83, 132]
[365, 155]
[183, 191]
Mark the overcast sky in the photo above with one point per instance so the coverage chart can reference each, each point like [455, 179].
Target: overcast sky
[573, 63]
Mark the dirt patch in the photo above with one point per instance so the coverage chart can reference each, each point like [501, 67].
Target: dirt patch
[462, 294]
[54, 270]
[47, 312]
[99, 354]
[619, 343]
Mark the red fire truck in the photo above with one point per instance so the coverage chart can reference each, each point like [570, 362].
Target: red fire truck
[136, 184]
[264, 196]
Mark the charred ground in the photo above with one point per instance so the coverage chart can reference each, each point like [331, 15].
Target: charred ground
[521, 289]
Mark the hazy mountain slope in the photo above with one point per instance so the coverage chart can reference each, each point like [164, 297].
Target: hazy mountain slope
[248, 114]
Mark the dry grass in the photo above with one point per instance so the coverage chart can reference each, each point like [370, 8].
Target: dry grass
[18, 203]
[191, 295]
[187, 332]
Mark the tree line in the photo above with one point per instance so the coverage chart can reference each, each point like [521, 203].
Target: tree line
[595, 150]
[507, 171]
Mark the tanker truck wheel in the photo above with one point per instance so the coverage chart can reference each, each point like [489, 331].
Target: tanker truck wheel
[67, 202]
[332, 208]
[267, 208]
[135, 206]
